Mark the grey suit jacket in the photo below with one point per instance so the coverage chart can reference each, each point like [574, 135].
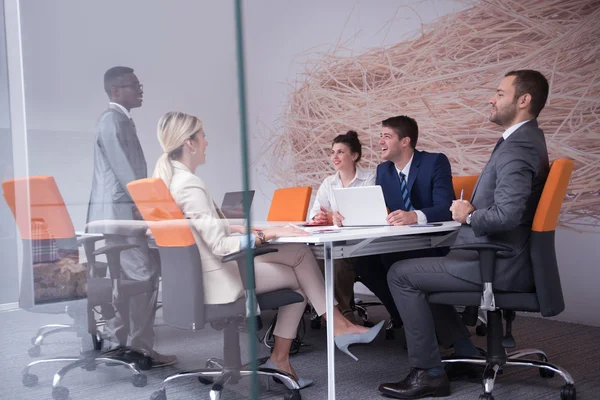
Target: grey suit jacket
[118, 160]
[505, 199]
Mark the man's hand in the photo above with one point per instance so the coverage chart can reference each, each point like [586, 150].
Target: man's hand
[324, 217]
[337, 219]
[460, 209]
[400, 217]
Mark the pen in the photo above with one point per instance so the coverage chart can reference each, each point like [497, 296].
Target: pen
[462, 191]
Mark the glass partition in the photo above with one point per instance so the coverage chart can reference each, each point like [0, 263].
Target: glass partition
[132, 186]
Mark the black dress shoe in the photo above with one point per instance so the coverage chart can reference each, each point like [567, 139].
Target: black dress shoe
[468, 371]
[416, 385]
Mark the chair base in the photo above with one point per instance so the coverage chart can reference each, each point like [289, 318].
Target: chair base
[218, 376]
[87, 362]
[546, 370]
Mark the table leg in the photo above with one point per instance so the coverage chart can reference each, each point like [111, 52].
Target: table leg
[328, 256]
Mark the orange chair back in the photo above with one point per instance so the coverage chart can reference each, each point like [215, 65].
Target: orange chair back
[47, 208]
[466, 183]
[155, 203]
[555, 189]
[290, 204]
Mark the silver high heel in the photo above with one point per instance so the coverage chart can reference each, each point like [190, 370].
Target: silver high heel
[343, 341]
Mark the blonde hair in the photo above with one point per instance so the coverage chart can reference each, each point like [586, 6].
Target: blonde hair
[173, 129]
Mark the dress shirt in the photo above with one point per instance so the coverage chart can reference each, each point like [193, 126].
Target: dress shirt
[122, 109]
[513, 128]
[325, 195]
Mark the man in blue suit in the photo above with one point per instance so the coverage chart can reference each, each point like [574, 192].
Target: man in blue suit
[417, 187]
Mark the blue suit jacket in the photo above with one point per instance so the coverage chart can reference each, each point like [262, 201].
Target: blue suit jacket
[429, 185]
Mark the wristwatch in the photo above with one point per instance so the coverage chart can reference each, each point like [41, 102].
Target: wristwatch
[261, 236]
[468, 221]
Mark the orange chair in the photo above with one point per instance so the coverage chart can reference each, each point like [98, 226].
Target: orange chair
[290, 204]
[51, 253]
[183, 291]
[464, 183]
[546, 298]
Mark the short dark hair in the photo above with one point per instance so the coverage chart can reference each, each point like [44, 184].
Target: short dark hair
[113, 76]
[534, 83]
[350, 139]
[404, 127]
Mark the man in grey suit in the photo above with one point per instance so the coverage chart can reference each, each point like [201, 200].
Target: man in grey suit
[501, 210]
[118, 160]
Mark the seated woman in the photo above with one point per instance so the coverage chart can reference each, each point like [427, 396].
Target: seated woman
[292, 267]
[346, 151]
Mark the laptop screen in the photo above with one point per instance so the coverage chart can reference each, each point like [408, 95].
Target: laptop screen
[233, 204]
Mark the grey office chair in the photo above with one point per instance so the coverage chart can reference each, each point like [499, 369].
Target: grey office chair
[546, 298]
[183, 291]
[46, 229]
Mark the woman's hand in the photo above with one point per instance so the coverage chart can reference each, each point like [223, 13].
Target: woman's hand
[324, 217]
[337, 219]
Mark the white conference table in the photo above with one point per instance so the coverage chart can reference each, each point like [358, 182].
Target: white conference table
[355, 242]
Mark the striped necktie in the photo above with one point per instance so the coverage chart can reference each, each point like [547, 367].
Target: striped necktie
[404, 190]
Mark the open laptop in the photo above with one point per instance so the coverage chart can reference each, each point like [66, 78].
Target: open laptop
[233, 204]
[361, 206]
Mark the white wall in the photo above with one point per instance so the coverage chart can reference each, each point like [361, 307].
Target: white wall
[276, 33]
[183, 52]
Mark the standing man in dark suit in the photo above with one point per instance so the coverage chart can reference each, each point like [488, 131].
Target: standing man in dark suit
[417, 187]
[501, 211]
[118, 160]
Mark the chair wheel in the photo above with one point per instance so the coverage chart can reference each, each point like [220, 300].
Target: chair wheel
[292, 395]
[159, 395]
[546, 373]
[29, 380]
[390, 334]
[568, 392]
[486, 396]
[97, 342]
[60, 393]
[205, 381]
[34, 351]
[315, 323]
[90, 367]
[145, 363]
[139, 380]
[481, 330]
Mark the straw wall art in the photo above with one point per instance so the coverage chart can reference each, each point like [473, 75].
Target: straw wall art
[443, 77]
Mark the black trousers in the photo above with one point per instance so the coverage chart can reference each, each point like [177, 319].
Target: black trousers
[410, 281]
[373, 270]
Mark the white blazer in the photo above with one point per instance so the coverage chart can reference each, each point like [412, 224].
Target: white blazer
[222, 282]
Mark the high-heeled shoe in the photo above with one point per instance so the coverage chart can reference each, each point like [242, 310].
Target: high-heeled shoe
[343, 341]
[303, 383]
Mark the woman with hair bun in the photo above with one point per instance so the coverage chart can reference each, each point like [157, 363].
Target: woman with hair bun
[346, 152]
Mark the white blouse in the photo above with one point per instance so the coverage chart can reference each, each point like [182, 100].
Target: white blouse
[325, 195]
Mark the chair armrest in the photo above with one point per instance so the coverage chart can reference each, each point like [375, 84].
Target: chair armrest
[242, 253]
[240, 258]
[113, 256]
[487, 257]
[487, 264]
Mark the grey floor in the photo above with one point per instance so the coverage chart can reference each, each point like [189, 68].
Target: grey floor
[574, 347]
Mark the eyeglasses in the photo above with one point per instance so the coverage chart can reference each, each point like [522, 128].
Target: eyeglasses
[134, 86]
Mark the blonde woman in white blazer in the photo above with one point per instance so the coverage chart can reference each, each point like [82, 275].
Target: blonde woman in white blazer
[293, 266]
